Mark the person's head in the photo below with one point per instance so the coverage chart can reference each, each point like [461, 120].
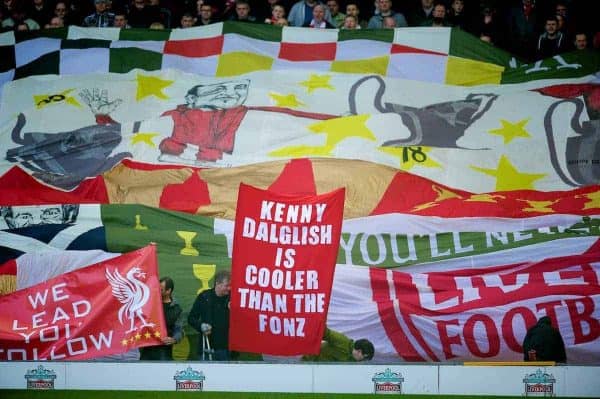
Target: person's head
[157, 26]
[55, 22]
[319, 12]
[551, 26]
[25, 216]
[120, 20]
[581, 42]
[545, 320]
[60, 9]
[352, 9]
[218, 95]
[527, 3]
[222, 283]
[277, 12]
[139, 4]
[187, 20]
[242, 9]
[334, 7]
[205, 11]
[100, 6]
[389, 22]
[458, 6]
[166, 288]
[363, 350]
[21, 27]
[561, 9]
[385, 6]
[439, 12]
[350, 22]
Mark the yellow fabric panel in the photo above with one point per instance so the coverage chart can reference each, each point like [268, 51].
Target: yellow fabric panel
[377, 65]
[465, 72]
[240, 62]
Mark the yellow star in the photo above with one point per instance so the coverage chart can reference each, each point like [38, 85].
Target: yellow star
[511, 130]
[337, 129]
[442, 194]
[147, 335]
[144, 138]
[157, 334]
[42, 100]
[484, 198]
[594, 200]
[289, 101]
[508, 177]
[138, 336]
[317, 82]
[539, 206]
[409, 157]
[151, 86]
[124, 342]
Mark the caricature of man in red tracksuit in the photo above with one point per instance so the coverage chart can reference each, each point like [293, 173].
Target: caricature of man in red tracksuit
[208, 120]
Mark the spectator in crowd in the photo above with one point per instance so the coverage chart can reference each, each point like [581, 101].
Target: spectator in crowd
[544, 343]
[55, 22]
[487, 25]
[281, 22]
[18, 16]
[318, 21]
[580, 42]
[121, 20]
[101, 18]
[438, 14]
[174, 321]
[242, 12]
[522, 25]
[337, 17]
[353, 10]
[350, 22]
[142, 15]
[456, 15]
[552, 41]
[337, 347]
[187, 20]
[210, 317]
[62, 10]
[40, 12]
[389, 22]
[156, 26]
[277, 13]
[422, 14]
[205, 14]
[385, 10]
[301, 13]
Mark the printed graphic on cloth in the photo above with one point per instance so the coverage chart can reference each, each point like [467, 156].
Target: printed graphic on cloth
[283, 263]
[106, 308]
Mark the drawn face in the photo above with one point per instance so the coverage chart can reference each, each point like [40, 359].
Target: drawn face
[220, 95]
[25, 216]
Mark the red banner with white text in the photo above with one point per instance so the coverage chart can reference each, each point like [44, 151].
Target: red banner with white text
[284, 256]
[484, 313]
[103, 309]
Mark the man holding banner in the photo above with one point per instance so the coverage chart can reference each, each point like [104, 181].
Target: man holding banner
[210, 317]
[336, 347]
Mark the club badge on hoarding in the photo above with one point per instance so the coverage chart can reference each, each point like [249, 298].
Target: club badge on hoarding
[539, 384]
[189, 380]
[388, 382]
[40, 378]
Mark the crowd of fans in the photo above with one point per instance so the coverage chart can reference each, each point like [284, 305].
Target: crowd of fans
[529, 28]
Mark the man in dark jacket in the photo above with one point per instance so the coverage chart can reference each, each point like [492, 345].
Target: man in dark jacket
[174, 321]
[210, 317]
[544, 343]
